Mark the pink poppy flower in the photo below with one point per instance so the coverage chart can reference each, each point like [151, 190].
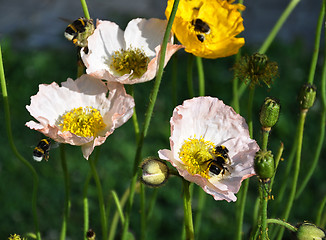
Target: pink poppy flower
[127, 57]
[79, 112]
[210, 146]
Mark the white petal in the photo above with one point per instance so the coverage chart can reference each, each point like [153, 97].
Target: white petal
[145, 34]
[106, 39]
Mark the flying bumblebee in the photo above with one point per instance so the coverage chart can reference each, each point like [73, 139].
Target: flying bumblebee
[201, 27]
[79, 30]
[42, 150]
[218, 164]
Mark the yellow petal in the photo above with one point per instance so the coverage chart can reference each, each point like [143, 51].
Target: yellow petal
[223, 19]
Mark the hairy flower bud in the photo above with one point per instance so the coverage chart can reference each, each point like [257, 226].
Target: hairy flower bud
[256, 69]
[155, 172]
[309, 231]
[264, 165]
[307, 96]
[269, 112]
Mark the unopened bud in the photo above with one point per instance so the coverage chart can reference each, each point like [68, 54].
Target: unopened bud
[90, 235]
[264, 165]
[155, 172]
[307, 96]
[269, 112]
[309, 231]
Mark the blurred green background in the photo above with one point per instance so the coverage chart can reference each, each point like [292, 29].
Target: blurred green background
[26, 68]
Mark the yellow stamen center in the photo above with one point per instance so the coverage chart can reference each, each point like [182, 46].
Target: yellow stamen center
[125, 61]
[84, 122]
[196, 153]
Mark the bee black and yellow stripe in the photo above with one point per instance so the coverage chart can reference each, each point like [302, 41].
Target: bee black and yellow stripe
[41, 150]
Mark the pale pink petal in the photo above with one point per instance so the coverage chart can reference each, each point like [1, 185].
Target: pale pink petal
[52, 101]
[210, 119]
[106, 39]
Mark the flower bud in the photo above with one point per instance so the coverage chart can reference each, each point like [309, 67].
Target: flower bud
[264, 165]
[90, 235]
[307, 96]
[309, 231]
[155, 172]
[269, 112]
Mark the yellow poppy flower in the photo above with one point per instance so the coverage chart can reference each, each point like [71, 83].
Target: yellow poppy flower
[208, 28]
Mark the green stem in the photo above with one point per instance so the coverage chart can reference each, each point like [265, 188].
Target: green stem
[114, 222]
[189, 76]
[143, 213]
[14, 149]
[67, 192]
[189, 228]
[85, 9]
[282, 223]
[277, 160]
[320, 211]
[317, 43]
[240, 208]
[148, 116]
[85, 204]
[291, 195]
[321, 137]
[119, 208]
[265, 139]
[201, 76]
[200, 206]
[134, 115]
[263, 210]
[100, 198]
[250, 104]
[278, 26]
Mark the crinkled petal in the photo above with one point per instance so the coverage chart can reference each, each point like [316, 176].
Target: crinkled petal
[210, 119]
[52, 101]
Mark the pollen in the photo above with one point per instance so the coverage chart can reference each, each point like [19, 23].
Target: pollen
[195, 153]
[130, 60]
[83, 122]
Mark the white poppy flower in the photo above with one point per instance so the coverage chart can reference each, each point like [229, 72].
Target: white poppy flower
[79, 112]
[127, 57]
[210, 146]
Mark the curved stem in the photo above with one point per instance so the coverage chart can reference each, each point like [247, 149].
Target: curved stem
[282, 223]
[14, 149]
[67, 192]
[189, 228]
[291, 196]
[85, 204]
[240, 208]
[200, 205]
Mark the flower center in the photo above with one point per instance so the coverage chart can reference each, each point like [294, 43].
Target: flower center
[125, 61]
[84, 122]
[196, 153]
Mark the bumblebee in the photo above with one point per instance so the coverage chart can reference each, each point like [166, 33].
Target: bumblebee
[201, 27]
[218, 164]
[79, 30]
[42, 150]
